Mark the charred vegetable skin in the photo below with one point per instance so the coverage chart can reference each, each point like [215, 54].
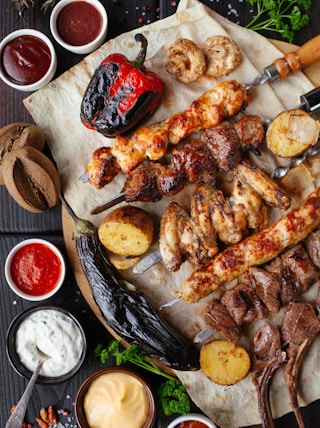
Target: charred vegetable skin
[126, 310]
[121, 94]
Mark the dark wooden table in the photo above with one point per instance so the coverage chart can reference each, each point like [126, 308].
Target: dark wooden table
[17, 224]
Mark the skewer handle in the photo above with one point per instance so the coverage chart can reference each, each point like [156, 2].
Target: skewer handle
[307, 54]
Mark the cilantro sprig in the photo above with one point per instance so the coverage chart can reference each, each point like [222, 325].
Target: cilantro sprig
[172, 396]
[285, 17]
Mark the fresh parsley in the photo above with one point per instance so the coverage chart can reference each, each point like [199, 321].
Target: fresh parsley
[172, 396]
[285, 17]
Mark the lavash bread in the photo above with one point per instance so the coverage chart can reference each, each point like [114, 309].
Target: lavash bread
[19, 134]
[31, 179]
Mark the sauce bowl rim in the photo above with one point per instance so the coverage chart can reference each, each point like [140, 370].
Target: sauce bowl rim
[53, 63]
[192, 417]
[14, 287]
[89, 47]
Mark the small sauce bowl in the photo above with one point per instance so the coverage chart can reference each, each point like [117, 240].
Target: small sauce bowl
[103, 391]
[28, 60]
[192, 420]
[35, 269]
[79, 26]
[52, 327]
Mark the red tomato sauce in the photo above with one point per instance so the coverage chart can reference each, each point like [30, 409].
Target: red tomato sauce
[35, 269]
[79, 23]
[192, 424]
[26, 59]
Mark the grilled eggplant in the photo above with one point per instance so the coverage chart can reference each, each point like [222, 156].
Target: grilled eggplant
[125, 308]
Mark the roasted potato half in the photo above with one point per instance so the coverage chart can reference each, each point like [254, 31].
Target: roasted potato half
[224, 362]
[127, 231]
[291, 133]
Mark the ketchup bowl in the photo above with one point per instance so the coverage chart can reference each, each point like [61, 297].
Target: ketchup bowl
[80, 26]
[35, 269]
[28, 60]
[57, 333]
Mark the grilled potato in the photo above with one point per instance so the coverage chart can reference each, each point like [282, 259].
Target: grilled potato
[224, 362]
[291, 133]
[127, 231]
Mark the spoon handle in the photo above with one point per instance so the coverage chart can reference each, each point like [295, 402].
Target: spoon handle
[16, 418]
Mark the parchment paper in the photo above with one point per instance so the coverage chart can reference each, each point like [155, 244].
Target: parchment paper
[56, 110]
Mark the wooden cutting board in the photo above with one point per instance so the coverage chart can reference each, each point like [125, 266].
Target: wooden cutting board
[312, 72]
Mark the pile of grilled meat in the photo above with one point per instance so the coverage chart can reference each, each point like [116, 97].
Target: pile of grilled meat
[259, 294]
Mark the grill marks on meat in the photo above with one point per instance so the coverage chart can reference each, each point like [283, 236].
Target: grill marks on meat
[224, 142]
[217, 317]
[261, 291]
[296, 272]
[298, 329]
[192, 163]
[214, 218]
[267, 358]
[257, 249]
[151, 142]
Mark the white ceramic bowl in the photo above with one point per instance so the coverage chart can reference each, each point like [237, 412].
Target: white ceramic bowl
[192, 417]
[82, 49]
[13, 285]
[48, 76]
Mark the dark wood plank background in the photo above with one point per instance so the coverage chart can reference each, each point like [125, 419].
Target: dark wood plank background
[17, 224]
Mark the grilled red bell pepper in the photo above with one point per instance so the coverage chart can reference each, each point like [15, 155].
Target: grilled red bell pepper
[121, 93]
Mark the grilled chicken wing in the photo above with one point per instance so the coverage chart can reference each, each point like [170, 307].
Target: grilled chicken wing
[261, 183]
[172, 224]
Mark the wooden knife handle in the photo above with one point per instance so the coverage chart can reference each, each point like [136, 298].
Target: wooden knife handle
[307, 54]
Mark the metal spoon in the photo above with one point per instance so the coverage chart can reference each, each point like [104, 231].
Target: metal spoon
[17, 417]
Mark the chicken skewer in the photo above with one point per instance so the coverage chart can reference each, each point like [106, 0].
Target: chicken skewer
[151, 142]
[257, 249]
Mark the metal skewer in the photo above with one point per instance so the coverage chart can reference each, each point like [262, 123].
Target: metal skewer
[281, 68]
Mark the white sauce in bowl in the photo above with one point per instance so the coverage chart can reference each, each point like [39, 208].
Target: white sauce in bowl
[54, 333]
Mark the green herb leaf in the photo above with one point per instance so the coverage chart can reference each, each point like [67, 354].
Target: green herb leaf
[172, 395]
[282, 17]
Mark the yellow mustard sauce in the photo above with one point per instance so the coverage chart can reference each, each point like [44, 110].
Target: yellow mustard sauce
[116, 400]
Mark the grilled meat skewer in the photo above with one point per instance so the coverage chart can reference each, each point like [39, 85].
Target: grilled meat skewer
[151, 142]
[192, 163]
[261, 291]
[257, 249]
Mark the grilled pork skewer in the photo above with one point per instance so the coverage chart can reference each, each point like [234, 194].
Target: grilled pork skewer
[257, 249]
[151, 142]
[192, 163]
[221, 148]
[299, 328]
[267, 358]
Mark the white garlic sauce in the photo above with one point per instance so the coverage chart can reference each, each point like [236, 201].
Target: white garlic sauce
[55, 334]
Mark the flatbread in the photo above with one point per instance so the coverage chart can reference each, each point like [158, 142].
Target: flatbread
[56, 109]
